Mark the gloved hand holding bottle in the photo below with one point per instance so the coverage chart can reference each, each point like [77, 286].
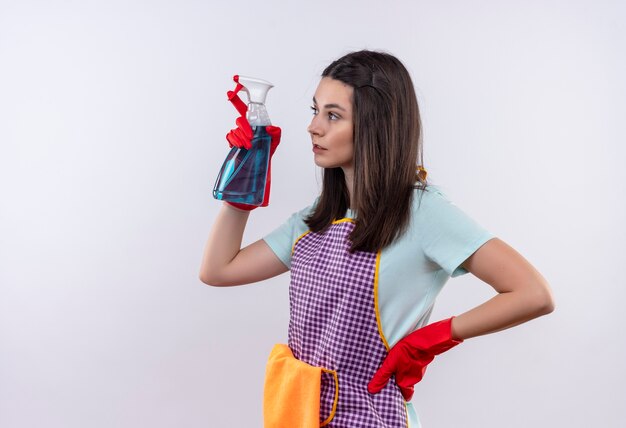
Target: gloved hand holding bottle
[408, 358]
[245, 178]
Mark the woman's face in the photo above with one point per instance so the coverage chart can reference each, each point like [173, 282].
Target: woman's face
[331, 126]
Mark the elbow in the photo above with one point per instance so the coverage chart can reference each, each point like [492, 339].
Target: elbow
[205, 279]
[546, 306]
[549, 306]
[543, 301]
[211, 280]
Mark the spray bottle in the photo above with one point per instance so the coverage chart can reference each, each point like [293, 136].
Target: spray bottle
[243, 175]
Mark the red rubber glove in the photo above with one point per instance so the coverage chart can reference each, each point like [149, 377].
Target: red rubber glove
[242, 137]
[408, 359]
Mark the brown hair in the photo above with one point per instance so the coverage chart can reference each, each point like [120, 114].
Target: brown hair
[387, 151]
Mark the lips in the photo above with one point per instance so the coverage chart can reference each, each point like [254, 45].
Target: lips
[317, 146]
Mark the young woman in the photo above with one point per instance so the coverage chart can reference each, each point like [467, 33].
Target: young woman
[369, 256]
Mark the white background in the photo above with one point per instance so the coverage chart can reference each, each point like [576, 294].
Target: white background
[112, 123]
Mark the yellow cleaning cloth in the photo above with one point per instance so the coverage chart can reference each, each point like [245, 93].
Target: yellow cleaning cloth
[292, 391]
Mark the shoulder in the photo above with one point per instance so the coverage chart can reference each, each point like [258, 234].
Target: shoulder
[432, 208]
[430, 197]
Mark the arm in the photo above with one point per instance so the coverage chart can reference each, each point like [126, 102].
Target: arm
[523, 293]
[224, 263]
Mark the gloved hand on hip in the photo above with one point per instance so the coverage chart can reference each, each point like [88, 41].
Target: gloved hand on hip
[241, 136]
[408, 358]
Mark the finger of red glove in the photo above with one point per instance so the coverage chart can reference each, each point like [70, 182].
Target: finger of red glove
[412, 372]
[407, 364]
[274, 132]
[405, 382]
[235, 140]
[241, 107]
[382, 375]
[243, 124]
[407, 392]
[240, 137]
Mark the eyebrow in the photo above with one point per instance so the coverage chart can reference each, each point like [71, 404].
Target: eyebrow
[331, 105]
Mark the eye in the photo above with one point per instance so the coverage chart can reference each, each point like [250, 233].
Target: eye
[332, 116]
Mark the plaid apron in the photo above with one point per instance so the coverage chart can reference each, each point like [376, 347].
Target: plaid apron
[333, 325]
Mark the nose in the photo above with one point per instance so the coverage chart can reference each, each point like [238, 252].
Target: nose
[314, 127]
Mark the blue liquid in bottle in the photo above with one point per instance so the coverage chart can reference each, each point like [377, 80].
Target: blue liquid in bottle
[243, 175]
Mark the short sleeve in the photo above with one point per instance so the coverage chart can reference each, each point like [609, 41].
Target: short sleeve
[281, 239]
[448, 235]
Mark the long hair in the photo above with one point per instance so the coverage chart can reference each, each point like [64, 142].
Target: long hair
[387, 152]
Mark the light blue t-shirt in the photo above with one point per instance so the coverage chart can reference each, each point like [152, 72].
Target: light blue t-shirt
[415, 267]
